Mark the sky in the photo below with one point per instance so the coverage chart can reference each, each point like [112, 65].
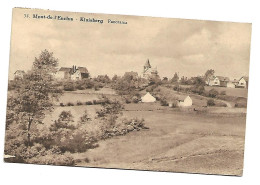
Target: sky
[189, 47]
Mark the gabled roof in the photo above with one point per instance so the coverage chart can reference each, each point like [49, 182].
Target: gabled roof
[182, 97]
[148, 98]
[147, 64]
[83, 69]
[222, 78]
[65, 69]
[245, 78]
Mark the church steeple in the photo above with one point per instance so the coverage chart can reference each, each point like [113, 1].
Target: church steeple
[147, 65]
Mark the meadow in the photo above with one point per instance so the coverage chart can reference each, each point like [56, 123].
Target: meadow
[178, 139]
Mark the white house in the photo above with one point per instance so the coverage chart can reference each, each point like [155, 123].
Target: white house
[231, 85]
[185, 101]
[218, 81]
[243, 82]
[148, 98]
[63, 73]
[73, 73]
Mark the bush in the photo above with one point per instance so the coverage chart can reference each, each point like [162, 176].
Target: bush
[164, 102]
[69, 86]
[79, 103]
[213, 93]
[62, 105]
[240, 105]
[89, 103]
[199, 89]
[176, 87]
[211, 102]
[70, 104]
[135, 99]
[96, 87]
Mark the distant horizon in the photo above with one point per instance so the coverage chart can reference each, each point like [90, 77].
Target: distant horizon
[188, 47]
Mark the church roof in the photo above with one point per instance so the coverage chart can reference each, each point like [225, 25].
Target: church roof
[147, 64]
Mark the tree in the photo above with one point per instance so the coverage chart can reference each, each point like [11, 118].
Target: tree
[175, 78]
[209, 73]
[198, 85]
[110, 111]
[37, 92]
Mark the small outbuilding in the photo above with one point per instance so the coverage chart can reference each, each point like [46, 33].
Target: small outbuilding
[184, 101]
[148, 98]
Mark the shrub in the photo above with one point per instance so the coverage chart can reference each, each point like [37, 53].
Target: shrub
[199, 89]
[127, 100]
[62, 105]
[79, 103]
[211, 102]
[176, 87]
[240, 105]
[96, 87]
[89, 103]
[84, 118]
[164, 102]
[69, 86]
[213, 93]
[135, 99]
[70, 104]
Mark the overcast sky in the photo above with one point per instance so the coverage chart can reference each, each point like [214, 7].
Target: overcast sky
[189, 47]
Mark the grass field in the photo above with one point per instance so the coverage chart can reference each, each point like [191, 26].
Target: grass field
[238, 92]
[178, 139]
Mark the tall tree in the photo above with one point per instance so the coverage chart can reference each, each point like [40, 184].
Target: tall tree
[175, 78]
[37, 93]
[209, 73]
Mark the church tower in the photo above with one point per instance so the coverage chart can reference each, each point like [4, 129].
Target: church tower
[147, 65]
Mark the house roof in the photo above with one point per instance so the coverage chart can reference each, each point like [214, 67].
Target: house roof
[245, 77]
[222, 78]
[148, 98]
[65, 69]
[19, 71]
[69, 69]
[83, 69]
[147, 64]
[182, 97]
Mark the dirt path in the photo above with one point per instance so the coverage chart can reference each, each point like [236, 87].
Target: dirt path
[178, 142]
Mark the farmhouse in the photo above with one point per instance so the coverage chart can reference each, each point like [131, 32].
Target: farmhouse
[184, 101]
[148, 98]
[73, 73]
[231, 84]
[19, 74]
[148, 71]
[218, 81]
[243, 82]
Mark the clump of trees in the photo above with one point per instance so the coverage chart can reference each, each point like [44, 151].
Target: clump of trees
[31, 141]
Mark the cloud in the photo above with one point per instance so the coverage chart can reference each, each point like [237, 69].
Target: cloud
[174, 45]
